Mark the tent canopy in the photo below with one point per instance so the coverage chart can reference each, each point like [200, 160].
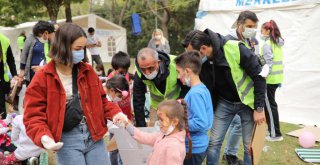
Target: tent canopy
[298, 20]
[113, 37]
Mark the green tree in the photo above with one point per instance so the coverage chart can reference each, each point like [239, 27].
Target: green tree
[13, 12]
[174, 15]
[52, 7]
[67, 6]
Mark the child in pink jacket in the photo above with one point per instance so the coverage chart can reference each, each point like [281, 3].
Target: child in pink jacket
[169, 144]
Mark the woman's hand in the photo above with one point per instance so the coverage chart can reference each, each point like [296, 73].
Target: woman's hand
[36, 68]
[120, 119]
[49, 144]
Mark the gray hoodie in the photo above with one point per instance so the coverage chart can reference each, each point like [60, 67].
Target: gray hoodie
[267, 52]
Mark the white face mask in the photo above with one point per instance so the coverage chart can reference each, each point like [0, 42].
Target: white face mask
[115, 100]
[99, 73]
[152, 75]
[249, 32]
[157, 37]
[170, 130]
[187, 81]
[262, 37]
[42, 40]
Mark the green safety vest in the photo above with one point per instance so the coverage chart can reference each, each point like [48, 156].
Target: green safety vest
[46, 52]
[20, 42]
[5, 43]
[243, 82]
[276, 74]
[172, 87]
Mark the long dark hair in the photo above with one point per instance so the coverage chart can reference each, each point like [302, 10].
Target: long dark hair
[178, 109]
[118, 82]
[275, 33]
[61, 48]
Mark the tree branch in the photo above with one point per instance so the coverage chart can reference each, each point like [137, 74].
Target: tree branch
[123, 10]
[153, 10]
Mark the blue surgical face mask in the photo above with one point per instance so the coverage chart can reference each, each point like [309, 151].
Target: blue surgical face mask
[77, 56]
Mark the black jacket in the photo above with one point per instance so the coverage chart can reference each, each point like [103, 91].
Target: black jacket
[224, 84]
[207, 78]
[139, 88]
[12, 67]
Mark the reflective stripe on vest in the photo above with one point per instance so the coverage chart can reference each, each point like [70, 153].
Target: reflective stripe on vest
[46, 52]
[5, 43]
[276, 74]
[243, 82]
[172, 87]
[168, 95]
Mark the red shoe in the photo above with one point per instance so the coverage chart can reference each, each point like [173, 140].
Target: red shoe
[11, 160]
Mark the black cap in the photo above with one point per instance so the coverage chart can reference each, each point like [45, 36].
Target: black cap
[185, 42]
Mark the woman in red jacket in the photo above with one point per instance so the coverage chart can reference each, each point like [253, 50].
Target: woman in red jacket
[65, 105]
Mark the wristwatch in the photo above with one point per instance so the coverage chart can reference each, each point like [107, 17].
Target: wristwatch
[260, 109]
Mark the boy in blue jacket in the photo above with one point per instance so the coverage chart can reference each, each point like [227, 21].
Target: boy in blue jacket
[199, 105]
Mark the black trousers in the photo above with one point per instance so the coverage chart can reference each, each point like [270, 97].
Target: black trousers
[271, 92]
[4, 89]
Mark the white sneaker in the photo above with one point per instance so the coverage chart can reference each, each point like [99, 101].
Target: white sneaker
[274, 139]
[33, 161]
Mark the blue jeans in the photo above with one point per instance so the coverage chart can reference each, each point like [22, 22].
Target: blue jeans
[196, 159]
[79, 148]
[234, 137]
[223, 116]
[115, 158]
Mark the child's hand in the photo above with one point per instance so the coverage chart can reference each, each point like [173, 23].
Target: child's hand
[111, 126]
[4, 130]
[50, 144]
[120, 119]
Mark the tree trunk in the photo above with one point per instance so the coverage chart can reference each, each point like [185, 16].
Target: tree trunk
[52, 15]
[112, 11]
[164, 18]
[123, 10]
[68, 11]
[52, 8]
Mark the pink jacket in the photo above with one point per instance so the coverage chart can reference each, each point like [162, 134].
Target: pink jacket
[167, 150]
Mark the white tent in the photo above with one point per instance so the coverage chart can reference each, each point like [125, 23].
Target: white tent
[112, 36]
[298, 20]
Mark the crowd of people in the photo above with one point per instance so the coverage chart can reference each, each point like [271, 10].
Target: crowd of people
[219, 83]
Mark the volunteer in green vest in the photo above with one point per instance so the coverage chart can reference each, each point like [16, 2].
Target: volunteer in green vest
[239, 88]
[271, 52]
[36, 49]
[157, 71]
[7, 66]
[21, 39]
[245, 29]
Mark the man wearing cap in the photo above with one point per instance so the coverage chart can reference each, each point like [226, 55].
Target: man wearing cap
[238, 86]
[157, 71]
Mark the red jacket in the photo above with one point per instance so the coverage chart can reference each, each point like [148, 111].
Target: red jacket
[45, 103]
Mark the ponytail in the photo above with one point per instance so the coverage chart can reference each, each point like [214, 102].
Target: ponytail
[275, 33]
[184, 104]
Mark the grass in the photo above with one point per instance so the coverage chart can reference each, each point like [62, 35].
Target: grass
[278, 153]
